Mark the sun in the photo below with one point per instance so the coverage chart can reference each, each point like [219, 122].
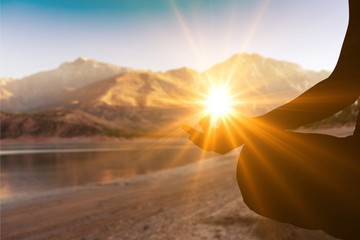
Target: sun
[218, 103]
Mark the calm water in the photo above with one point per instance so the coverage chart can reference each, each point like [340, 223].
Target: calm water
[27, 169]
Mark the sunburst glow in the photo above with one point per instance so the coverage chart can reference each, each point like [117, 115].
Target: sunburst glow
[218, 103]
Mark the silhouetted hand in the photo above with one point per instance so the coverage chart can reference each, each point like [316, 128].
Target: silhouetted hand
[226, 136]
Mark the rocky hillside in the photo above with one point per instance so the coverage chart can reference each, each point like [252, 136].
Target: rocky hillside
[4, 81]
[113, 122]
[85, 97]
[263, 83]
[344, 117]
[138, 89]
[260, 83]
[49, 86]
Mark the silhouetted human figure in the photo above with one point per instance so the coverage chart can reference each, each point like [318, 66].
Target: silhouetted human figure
[309, 180]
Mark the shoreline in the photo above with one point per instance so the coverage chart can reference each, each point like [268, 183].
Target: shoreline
[200, 200]
[337, 130]
[121, 181]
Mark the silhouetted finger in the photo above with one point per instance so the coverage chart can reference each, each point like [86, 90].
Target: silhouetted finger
[190, 130]
[201, 140]
[205, 123]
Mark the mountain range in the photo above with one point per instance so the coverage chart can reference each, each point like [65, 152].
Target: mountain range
[87, 97]
[49, 86]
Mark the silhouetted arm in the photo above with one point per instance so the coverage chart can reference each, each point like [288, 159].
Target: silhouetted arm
[331, 95]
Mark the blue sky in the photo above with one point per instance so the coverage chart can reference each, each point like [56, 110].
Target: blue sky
[37, 35]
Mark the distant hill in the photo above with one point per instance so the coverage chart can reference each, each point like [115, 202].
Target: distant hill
[86, 97]
[133, 89]
[344, 117]
[4, 93]
[104, 121]
[4, 81]
[263, 83]
[47, 87]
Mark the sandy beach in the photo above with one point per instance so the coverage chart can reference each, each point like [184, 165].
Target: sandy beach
[196, 201]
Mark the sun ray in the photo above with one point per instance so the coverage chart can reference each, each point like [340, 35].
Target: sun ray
[230, 30]
[186, 30]
[218, 102]
[248, 38]
[222, 105]
[254, 27]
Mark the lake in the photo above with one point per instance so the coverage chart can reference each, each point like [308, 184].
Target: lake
[32, 168]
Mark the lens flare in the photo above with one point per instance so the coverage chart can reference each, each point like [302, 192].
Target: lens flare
[218, 103]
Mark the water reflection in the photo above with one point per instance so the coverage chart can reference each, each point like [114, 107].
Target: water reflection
[26, 173]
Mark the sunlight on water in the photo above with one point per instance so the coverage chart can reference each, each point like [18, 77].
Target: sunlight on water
[29, 171]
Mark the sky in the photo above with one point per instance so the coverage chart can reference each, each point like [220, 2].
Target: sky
[37, 35]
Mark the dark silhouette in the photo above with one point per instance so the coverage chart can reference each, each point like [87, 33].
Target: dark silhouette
[309, 180]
